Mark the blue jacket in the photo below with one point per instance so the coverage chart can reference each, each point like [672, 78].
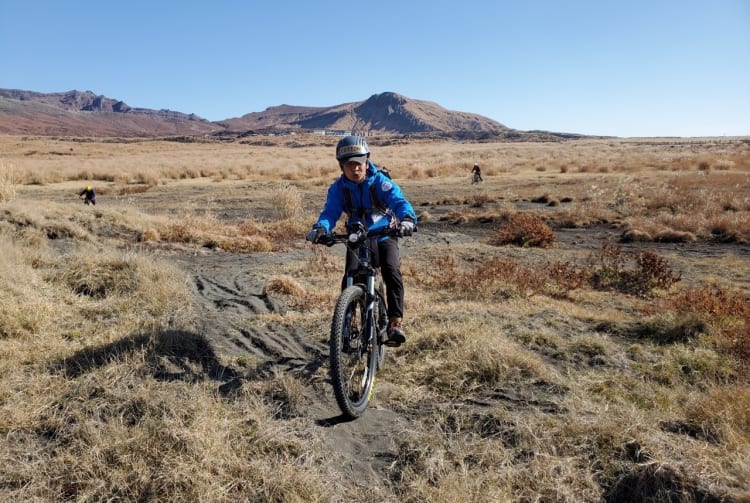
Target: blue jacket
[363, 208]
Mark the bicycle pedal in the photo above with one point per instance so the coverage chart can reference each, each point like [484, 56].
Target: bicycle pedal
[394, 340]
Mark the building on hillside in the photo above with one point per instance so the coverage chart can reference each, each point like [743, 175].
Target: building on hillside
[332, 132]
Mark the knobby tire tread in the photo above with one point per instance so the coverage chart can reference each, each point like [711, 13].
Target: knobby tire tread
[350, 296]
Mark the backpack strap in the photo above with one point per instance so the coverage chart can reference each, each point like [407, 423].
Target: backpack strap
[348, 202]
[387, 172]
[377, 203]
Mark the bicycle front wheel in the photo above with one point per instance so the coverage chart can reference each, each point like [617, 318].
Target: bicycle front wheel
[381, 315]
[353, 353]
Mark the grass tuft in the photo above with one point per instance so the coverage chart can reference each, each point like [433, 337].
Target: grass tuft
[8, 182]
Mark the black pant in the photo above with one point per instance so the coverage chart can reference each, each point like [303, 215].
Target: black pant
[386, 255]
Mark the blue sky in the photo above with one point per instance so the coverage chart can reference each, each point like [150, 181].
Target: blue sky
[622, 68]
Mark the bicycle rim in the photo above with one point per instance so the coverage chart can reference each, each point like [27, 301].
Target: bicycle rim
[352, 353]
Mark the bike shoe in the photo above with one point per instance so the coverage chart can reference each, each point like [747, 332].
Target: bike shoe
[396, 335]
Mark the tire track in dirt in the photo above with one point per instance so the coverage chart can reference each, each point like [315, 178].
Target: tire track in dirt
[229, 298]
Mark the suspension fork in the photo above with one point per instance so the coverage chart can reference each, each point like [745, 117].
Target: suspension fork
[371, 300]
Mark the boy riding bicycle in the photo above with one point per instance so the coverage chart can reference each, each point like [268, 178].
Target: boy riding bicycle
[369, 197]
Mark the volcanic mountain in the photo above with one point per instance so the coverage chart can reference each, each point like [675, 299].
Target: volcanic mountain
[386, 112]
[84, 113]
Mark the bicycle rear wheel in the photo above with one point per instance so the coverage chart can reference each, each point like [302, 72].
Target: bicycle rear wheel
[353, 353]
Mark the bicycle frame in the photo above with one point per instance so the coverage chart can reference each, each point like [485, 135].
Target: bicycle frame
[359, 325]
[365, 274]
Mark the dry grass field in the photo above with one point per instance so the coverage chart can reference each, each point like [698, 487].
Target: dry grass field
[578, 325]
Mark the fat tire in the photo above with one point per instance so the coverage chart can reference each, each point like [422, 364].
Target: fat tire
[352, 363]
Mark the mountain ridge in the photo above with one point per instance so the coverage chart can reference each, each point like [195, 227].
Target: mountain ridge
[84, 113]
[386, 112]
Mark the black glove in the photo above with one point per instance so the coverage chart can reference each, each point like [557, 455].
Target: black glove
[315, 234]
[406, 228]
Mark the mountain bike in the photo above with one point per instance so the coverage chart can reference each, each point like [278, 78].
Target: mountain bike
[359, 326]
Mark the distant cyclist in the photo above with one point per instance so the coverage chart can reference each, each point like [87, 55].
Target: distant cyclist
[88, 195]
[477, 172]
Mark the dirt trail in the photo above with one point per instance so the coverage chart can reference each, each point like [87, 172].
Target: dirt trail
[229, 297]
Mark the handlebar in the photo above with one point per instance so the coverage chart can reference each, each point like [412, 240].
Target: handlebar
[358, 235]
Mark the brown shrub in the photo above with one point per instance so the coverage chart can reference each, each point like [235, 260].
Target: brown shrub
[566, 276]
[494, 277]
[637, 273]
[100, 277]
[288, 229]
[734, 339]
[523, 229]
[441, 274]
[147, 179]
[728, 311]
[713, 301]
[654, 271]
